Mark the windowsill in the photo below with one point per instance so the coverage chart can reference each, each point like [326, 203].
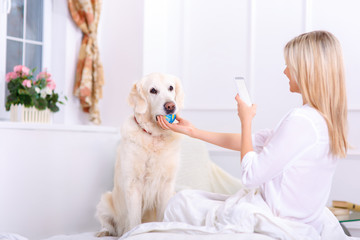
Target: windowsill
[7, 125]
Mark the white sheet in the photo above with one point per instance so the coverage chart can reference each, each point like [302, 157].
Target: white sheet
[11, 236]
[182, 231]
[244, 212]
[178, 236]
[166, 236]
[81, 236]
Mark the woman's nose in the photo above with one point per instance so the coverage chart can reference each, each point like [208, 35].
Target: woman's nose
[286, 70]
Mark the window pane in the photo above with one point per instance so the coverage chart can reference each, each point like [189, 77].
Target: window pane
[34, 20]
[14, 51]
[15, 19]
[33, 55]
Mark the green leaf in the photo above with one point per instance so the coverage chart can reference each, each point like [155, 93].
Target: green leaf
[27, 100]
[13, 86]
[7, 106]
[41, 83]
[23, 92]
[53, 107]
[55, 97]
[11, 98]
[40, 104]
[32, 91]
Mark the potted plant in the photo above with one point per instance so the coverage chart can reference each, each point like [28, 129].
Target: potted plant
[31, 100]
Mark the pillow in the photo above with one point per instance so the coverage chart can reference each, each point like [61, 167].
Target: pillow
[197, 171]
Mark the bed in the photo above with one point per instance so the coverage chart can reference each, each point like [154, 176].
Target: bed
[197, 171]
[167, 236]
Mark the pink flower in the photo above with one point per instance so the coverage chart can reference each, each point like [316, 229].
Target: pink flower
[21, 70]
[18, 68]
[27, 83]
[44, 75]
[10, 76]
[51, 84]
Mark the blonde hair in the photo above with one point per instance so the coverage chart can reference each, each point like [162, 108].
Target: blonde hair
[315, 62]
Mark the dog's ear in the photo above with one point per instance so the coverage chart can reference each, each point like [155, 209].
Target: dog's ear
[137, 100]
[179, 93]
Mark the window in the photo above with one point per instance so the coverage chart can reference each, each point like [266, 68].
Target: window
[23, 24]
[24, 38]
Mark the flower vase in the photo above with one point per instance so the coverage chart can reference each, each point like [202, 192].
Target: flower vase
[20, 113]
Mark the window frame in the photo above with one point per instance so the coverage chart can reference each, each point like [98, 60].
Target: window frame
[46, 46]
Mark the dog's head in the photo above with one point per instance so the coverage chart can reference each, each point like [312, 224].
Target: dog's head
[156, 94]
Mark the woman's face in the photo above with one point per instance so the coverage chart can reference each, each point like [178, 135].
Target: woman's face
[293, 85]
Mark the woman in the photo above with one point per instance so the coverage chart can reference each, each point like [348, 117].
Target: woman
[293, 164]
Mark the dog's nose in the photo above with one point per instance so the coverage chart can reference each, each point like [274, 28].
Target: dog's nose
[169, 107]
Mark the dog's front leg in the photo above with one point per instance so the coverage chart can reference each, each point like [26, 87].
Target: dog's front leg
[133, 201]
[164, 197]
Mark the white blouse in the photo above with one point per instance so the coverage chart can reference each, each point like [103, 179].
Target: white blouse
[292, 166]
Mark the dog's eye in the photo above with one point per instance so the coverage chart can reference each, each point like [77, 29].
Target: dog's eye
[153, 91]
[171, 88]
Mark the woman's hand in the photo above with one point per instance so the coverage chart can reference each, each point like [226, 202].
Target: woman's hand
[183, 126]
[246, 113]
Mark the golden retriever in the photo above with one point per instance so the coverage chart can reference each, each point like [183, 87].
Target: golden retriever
[147, 158]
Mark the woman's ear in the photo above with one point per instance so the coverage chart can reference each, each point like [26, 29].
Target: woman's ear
[137, 100]
[179, 93]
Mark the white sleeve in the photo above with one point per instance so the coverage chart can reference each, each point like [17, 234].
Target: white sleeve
[294, 136]
[259, 139]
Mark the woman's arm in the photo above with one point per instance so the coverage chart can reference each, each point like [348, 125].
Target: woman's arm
[246, 139]
[294, 137]
[226, 140]
[246, 114]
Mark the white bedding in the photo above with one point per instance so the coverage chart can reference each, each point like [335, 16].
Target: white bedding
[198, 212]
[148, 236]
[234, 218]
[168, 236]
[11, 236]
[154, 236]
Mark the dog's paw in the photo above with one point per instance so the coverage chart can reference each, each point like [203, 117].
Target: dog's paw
[103, 233]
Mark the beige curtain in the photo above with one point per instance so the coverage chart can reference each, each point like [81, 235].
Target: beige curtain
[89, 70]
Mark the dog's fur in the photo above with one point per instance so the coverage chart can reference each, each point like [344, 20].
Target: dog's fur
[146, 161]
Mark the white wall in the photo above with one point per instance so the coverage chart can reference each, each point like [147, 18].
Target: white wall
[121, 50]
[120, 39]
[52, 177]
[66, 40]
[217, 40]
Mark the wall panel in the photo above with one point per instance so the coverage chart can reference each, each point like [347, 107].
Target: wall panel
[275, 23]
[215, 49]
[342, 18]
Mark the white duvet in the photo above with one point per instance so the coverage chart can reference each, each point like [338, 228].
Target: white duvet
[199, 212]
[194, 214]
